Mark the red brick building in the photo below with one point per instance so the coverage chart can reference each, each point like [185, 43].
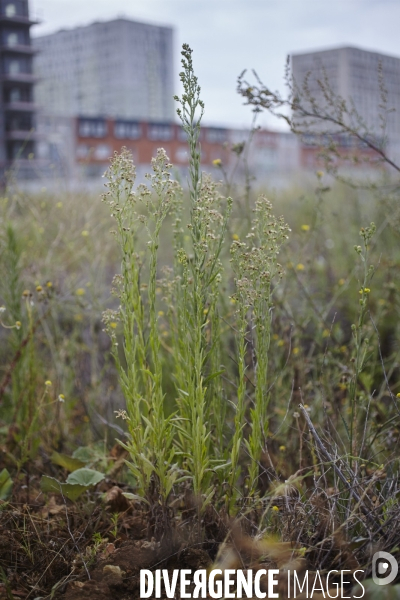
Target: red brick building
[96, 139]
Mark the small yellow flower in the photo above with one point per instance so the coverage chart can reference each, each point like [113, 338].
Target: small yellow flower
[275, 336]
[343, 349]
[113, 325]
[341, 281]
[367, 290]
[59, 204]
[158, 290]
[78, 318]
[235, 236]
[296, 350]
[398, 395]
[205, 311]
[300, 267]
[305, 228]
[85, 233]
[275, 509]
[61, 398]
[160, 313]
[18, 324]
[281, 343]
[325, 333]
[49, 284]
[342, 386]
[282, 448]
[39, 288]
[48, 383]
[320, 174]
[217, 162]
[80, 292]
[232, 300]
[26, 293]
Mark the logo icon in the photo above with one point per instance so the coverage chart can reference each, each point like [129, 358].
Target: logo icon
[384, 568]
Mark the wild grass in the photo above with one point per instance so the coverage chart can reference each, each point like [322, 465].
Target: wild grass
[254, 361]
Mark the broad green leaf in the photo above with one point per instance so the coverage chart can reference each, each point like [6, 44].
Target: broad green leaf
[87, 454]
[68, 462]
[69, 490]
[6, 485]
[85, 477]
[378, 592]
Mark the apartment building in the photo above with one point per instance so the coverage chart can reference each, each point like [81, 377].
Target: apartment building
[17, 108]
[119, 68]
[354, 74]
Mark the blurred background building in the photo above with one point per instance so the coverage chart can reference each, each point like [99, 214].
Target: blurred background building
[17, 108]
[118, 69]
[72, 98]
[367, 81]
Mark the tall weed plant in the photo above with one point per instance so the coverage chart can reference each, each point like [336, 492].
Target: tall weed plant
[201, 438]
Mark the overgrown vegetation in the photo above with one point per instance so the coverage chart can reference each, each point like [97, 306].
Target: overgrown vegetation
[255, 371]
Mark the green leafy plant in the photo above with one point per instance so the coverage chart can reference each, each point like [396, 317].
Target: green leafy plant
[192, 441]
[78, 482]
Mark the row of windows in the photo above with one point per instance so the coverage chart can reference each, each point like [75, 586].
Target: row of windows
[18, 8]
[18, 94]
[16, 66]
[15, 38]
[104, 151]
[156, 132]
[341, 139]
[21, 122]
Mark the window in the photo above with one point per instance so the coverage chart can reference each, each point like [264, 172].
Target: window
[127, 130]
[14, 67]
[182, 135]
[102, 152]
[182, 155]
[11, 11]
[12, 39]
[92, 128]
[216, 136]
[159, 132]
[15, 95]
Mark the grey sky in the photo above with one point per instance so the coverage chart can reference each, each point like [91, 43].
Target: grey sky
[228, 36]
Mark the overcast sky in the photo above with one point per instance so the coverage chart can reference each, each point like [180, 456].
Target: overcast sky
[228, 36]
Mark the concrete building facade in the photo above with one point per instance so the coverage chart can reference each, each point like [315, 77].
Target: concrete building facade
[119, 68]
[355, 75]
[17, 108]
